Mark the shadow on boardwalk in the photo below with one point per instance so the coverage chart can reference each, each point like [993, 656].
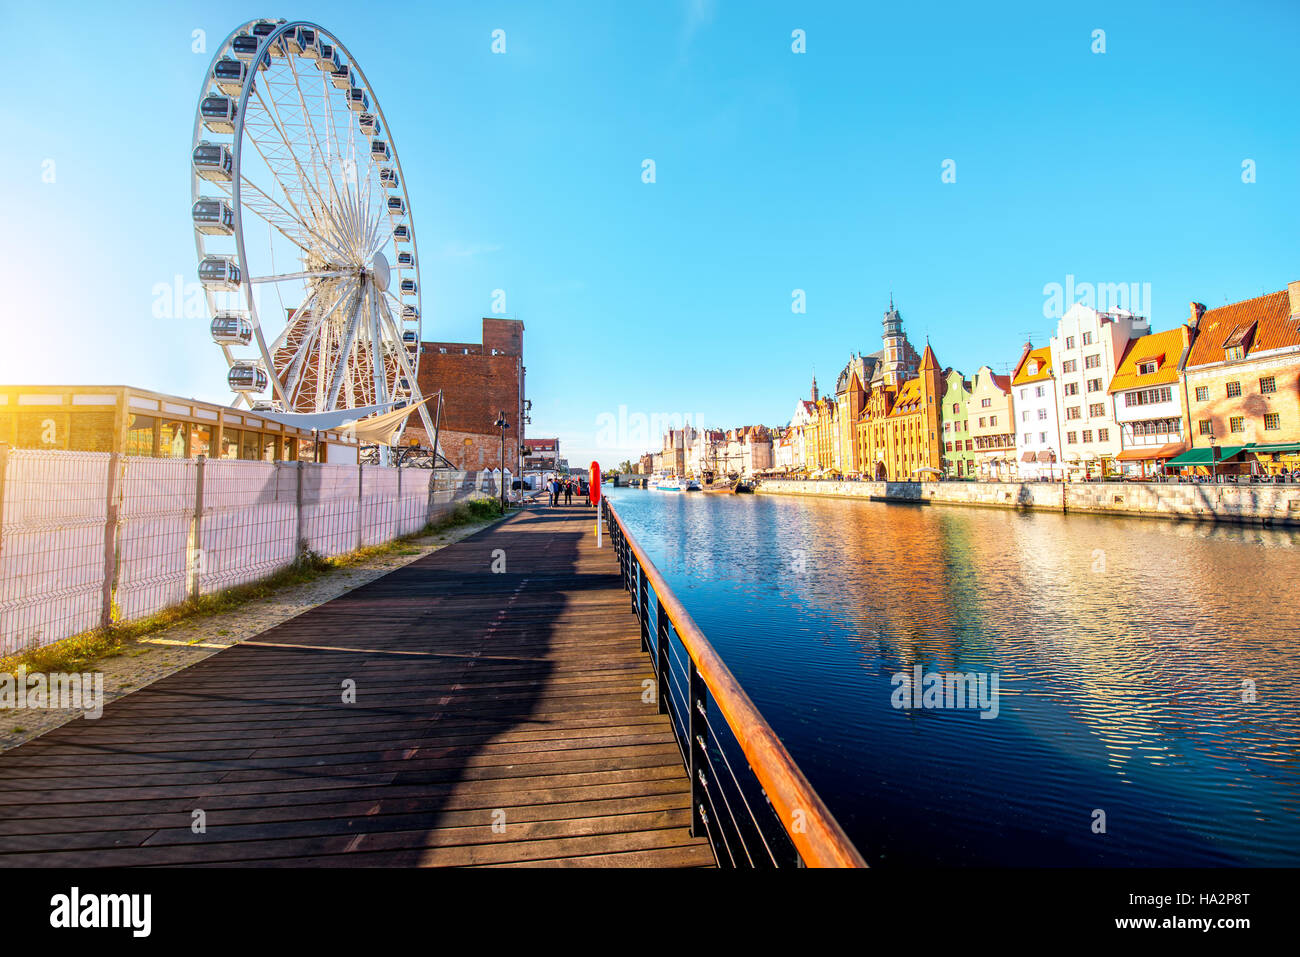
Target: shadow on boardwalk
[498, 719]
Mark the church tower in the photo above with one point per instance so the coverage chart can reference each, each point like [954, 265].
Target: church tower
[895, 369]
[814, 388]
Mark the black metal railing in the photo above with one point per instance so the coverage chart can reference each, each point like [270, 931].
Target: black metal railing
[747, 795]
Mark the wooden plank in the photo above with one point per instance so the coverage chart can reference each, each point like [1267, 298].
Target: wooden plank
[479, 695]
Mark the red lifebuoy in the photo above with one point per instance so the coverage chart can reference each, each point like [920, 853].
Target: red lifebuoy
[593, 490]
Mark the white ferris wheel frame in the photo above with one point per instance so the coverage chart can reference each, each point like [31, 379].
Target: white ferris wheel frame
[408, 360]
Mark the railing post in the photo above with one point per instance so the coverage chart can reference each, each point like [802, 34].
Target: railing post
[695, 725]
[196, 531]
[641, 607]
[661, 654]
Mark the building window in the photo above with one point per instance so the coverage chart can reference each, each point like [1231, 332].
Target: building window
[1203, 427]
[1042, 437]
[1234, 352]
[982, 419]
[1146, 368]
[1042, 413]
[1087, 338]
[1074, 412]
[1071, 438]
[1069, 342]
[1103, 435]
[1071, 388]
[1027, 438]
[1237, 424]
[1038, 391]
[1234, 390]
[993, 420]
[985, 403]
[1087, 435]
[1092, 361]
[1202, 393]
[1069, 365]
[1096, 409]
[1094, 385]
[1267, 385]
[1271, 421]
[955, 408]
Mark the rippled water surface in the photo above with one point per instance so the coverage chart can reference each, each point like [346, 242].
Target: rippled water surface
[1121, 647]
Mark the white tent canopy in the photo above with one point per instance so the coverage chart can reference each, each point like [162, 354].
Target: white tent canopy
[369, 423]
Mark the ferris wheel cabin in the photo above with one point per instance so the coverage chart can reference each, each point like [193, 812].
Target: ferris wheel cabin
[231, 329]
[410, 337]
[218, 113]
[215, 217]
[410, 314]
[213, 161]
[405, 259]
[219, 274]
[329, 59]
[358, 100]
[388, 178]
[369, 124]
[264, 29]
[396, 205]
[401, 234]
[379, 151]
[229, 75]
[244, 47]
[342, 77]
[247, 377]
[303, 42]
[408, 287]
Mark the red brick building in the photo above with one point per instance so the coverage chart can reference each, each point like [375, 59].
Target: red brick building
[478, 380]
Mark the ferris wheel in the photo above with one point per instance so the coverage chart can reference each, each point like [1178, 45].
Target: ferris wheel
[303, 227]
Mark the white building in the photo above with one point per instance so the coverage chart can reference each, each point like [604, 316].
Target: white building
[1086, 351]
[1038, 436]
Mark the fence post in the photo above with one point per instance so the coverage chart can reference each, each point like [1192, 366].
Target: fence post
[299, 544]
[360, 484]
[4, 468]
[196, 531]
[110, 540]
[661, 654]
[399, 509]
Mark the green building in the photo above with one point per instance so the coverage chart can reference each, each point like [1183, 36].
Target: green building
[958, 446]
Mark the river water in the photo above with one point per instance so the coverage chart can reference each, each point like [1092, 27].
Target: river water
[1123, 649]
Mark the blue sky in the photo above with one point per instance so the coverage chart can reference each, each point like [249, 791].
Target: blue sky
[775, 171]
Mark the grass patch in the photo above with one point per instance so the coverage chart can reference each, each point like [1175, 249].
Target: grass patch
[79, 652]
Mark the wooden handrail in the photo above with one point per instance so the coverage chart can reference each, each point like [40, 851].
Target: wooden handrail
[816, 835]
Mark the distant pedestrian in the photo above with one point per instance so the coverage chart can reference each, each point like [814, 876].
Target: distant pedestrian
[568, 493]
[555, 491]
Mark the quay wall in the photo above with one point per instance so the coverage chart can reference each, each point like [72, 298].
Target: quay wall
[1250, 504]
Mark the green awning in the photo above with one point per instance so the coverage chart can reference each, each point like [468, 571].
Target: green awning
[1276, 448]
[1204, 456]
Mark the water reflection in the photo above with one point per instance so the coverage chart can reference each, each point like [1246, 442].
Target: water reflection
[1121, 647]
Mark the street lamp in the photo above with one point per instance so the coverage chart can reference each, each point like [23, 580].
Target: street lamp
[1214, 457]
[501, 424]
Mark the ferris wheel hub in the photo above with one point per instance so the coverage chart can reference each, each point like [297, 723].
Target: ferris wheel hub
[380, 271]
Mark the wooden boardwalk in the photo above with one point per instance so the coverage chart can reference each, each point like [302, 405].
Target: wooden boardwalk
[498, 720]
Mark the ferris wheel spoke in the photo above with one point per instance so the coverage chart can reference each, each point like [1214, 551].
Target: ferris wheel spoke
[318, 329]
[306, 274]
[345, 352]
[317, 152]
[289, 225]
[300, 315]
[290, 163]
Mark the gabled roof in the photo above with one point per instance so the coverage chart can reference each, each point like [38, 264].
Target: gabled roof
[1271, 315]
[909, 398]
[1043, 356]
[1165, 348]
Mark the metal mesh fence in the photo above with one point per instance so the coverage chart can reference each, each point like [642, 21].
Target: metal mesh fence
[87, 538]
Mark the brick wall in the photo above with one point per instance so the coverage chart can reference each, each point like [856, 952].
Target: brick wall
[1252, 405]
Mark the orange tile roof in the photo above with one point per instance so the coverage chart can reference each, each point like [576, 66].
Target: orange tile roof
[1164, 347]
[1044, 357]
[1270, 314]
[909, 394]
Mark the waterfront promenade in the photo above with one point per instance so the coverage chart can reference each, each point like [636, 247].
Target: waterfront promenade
[445, 714]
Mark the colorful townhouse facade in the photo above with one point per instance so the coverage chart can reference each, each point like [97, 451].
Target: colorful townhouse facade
[1038, 436]
[958, 447]
[991, 415]
[1241, 383]
[1147, 392]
